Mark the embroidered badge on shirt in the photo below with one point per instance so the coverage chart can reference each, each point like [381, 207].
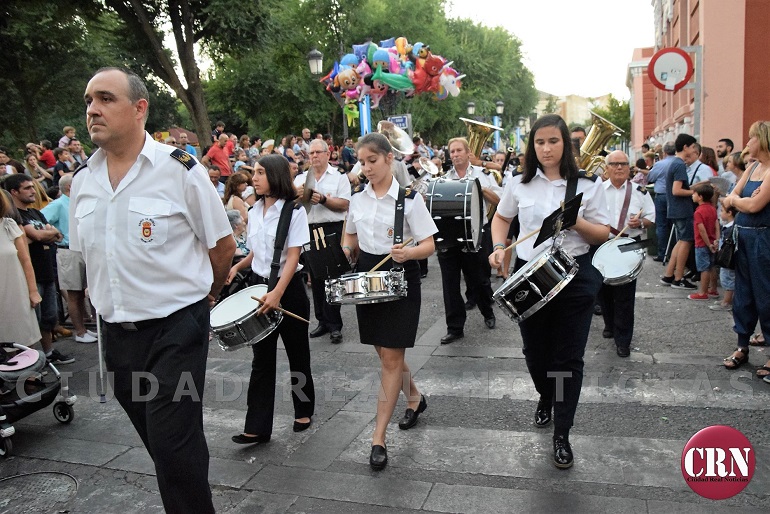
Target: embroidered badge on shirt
[146, 227]
[390, 232]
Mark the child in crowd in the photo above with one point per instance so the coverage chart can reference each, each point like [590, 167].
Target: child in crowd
[69, 133]
[726, 276]
[62, 165]
[706, 241]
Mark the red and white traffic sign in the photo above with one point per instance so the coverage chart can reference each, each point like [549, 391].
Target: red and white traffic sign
[670, 69]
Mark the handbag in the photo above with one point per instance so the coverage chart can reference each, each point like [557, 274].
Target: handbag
[726, 254]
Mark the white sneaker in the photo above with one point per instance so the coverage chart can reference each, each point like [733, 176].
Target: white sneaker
[91, 333]
[85, 338]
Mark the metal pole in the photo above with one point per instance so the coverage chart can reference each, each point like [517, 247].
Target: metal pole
[696, 86]
[496, 123]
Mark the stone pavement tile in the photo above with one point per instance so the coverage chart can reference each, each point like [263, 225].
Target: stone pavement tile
[458, 350]
[432, 336]
[330, 440]
[316, 506]
[382, 490]
[118, 491]
[261, 502]
[489, 500]
[61, 446]
[606, 460]
[707, 507]
[690, 359]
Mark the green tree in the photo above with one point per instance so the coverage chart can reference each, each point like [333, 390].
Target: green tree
[551, 106]
[619, 114]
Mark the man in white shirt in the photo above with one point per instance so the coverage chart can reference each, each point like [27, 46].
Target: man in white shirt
[157, 253]
[330, 200]
[630, 207]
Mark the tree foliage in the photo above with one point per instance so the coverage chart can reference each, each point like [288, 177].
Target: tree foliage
[619, 114]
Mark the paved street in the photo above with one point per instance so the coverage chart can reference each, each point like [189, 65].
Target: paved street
[475, 449]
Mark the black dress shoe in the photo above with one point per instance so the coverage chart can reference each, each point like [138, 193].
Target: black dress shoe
[299, 427]
[469, 305]
[336, 337]
[410, 416]
[542, 414]
[597, 310]
[657, 259]
[490, 322]
[562, 452]
[451, 337]
[319, 331]
[378, 459]
[623, 351]
[250, 439]
[607, 333]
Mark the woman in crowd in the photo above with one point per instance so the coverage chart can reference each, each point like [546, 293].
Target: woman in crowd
[709, 158]
[36, 171]
[239, 233]
[751, 198]
[368, 239]
[274, 188]
[235, 185]
[18, 289]
[734, 168]
[248, 195]
[555, 349]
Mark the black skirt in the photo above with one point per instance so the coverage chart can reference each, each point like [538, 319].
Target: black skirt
[390, 324]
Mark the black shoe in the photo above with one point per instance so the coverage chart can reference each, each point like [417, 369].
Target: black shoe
[682, 284]
[490, 322]
[542, 414]
[300, 427]
[319, 331]
[336, 337]
[666, 281]
[378, 459]
[451, 337]
[597, 310]
[658, 259]
[623, 351]
[562, 452]
[410, 416]
[607, 333]
[423, 275]
[248, 439]
[469, 305]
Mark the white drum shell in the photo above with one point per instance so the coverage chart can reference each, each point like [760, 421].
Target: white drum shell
[235, 323]
[618, 267]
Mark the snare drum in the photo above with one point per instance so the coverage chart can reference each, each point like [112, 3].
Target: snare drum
[235, 323]
[366, 287]
[457, 207]
[536, 283]
[618, 267]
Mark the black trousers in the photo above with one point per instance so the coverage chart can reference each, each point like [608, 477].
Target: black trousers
[471, 286]
[294, 333]
[555, 340]
[453, 261]
[159, 375]
[618, 311]
[327, 315]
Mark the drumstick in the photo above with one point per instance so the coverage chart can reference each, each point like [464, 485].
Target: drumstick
[323, 236]
[383, 261]
[262, 302]
[523, 239]
[626, 227]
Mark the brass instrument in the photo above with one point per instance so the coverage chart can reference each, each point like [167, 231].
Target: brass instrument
[429, 169]
[478, 133]
[398, 138]
[600, 133]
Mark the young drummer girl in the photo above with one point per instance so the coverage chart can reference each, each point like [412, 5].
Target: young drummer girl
[272, 184]
[391, 326]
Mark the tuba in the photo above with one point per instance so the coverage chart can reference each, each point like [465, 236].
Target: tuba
[600, 133]
[398, 138]
[478, 133]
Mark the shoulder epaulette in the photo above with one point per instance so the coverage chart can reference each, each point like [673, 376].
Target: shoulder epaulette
[588, 174]
[187, 160]
[410, 193]
[82, 166]
[358, 188]
[642, 189]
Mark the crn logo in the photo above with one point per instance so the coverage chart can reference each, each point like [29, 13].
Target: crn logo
[710, 462]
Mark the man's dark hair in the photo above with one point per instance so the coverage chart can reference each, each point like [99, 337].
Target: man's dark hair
[669, 148]
[136, 88]
[683, 140]
[215, 167]
[727, 142]
[568, 167]
[578, 129]
[645, 148]
[706, 191]
[14, 182]
[46, 144]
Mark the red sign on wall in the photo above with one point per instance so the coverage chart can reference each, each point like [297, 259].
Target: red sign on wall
[670, 69]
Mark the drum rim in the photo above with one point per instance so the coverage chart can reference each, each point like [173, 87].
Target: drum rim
[235, 295]
[626, 278]
[273, 327]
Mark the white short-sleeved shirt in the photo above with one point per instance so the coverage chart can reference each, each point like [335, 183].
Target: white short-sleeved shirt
[639, 201]
[332, 183]
[372, 219]
[146, 244]
[534, 201]
[262, 231]
[486, 181]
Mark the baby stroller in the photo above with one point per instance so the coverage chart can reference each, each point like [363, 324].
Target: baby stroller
[28, 383]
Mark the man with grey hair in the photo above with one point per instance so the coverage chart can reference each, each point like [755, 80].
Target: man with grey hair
[71, 269]
[657, 176]
[329, 202]
[157, 247]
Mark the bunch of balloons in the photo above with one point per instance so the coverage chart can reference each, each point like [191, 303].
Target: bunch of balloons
[392, 66]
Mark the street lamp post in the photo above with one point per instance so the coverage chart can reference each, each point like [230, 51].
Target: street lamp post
[315, 60]
[471, 108]
[499, 107]
[519, 132]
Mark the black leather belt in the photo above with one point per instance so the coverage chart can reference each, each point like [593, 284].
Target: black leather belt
[135, 326]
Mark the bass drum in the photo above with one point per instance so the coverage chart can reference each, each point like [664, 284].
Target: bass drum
[457, 207]
[618, 267]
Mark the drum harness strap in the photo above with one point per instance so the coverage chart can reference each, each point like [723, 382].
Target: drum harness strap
[398, 223]
[624, 211]
[280, 239]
